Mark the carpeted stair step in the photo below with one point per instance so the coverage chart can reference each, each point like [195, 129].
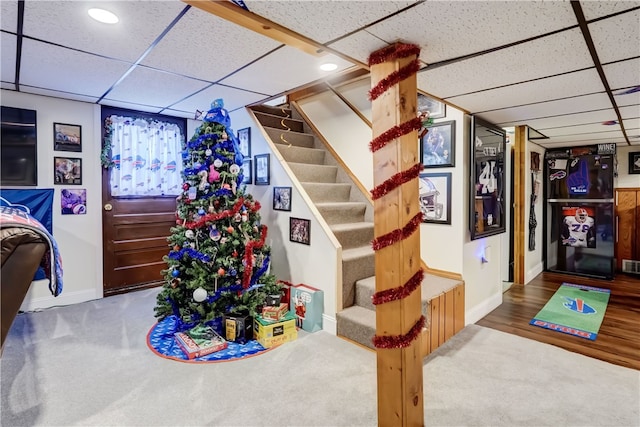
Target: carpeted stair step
[357, 263]
[314, 173]
[283, 111]
[298, 139]
[352, 235]
[321, 192]
[357, 324]
[279, 122]
[292, 153]
[342, 212]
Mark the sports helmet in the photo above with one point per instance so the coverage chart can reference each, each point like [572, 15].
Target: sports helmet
[581, 214]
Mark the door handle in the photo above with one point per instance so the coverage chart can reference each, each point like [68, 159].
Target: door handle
[108, 207]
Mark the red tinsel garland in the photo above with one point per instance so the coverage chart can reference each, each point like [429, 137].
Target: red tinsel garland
[400, 341]
[393, 78]
[396, 181]
[400, 292]
[224, 214]
[393, 52]
[248, 256]
[393, 133]
[397, 234]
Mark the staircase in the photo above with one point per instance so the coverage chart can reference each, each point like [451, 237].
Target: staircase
[350, 216]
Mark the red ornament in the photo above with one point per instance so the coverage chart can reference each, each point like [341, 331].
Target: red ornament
[221, 271]
[176, 248]
[230, 229]
[185, 186]
[235, 254]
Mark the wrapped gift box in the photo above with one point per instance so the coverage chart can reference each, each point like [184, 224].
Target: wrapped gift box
[270, 334]
[273, 314]
[238, 327]
[308, 305]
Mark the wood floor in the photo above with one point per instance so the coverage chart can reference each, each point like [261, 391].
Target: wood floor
[618, 340]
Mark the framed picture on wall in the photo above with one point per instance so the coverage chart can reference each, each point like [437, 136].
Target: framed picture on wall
[244, 142]
[437, 146]
[73, 201]
[436, 109]
[300, 230]
[67, 170]
[262, 169]
[67, 137]
[435, 197]
[281, 198]
[634, 162]
[247, 171]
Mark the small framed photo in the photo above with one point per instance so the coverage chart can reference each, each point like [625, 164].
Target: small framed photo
[244, 141]
[436, 109]
[67, 170]
[437, 147]
[247, 172]
[262, 169]
[300, 230]
[282, 198]
[67, 137]
[73, 201]
[634, 162]
[435, 197]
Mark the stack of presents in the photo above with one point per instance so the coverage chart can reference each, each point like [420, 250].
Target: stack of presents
[300, 307]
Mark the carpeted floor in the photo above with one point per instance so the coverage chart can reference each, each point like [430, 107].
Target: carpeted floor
[89, 365]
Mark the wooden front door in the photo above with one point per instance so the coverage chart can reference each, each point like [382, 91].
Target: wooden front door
[134, 238]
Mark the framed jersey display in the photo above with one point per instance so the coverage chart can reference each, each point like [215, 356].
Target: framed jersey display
[579, 217]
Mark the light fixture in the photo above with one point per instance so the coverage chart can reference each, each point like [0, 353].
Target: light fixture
[102, 15]
[329, 66]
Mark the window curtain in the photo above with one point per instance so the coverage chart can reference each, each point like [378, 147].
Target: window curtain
[147, 157]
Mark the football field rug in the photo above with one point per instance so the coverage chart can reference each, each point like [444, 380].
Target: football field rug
[575, 310]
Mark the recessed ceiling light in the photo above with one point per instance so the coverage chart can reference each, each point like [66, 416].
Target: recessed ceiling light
[104, 16]
[328, 66]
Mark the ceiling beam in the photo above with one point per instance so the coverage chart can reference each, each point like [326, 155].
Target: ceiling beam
[239, 16]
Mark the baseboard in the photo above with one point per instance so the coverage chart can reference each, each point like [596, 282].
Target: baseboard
[329, 324]
[532, 273]
[65, 298]
[482, 309]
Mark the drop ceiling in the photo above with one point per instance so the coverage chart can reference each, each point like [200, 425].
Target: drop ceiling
[563, 68]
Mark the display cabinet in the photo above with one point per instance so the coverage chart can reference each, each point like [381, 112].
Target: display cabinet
[487, 203]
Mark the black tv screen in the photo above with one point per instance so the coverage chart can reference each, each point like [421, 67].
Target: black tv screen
[19, 149]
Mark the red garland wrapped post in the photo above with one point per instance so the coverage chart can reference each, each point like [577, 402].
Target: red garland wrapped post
[397, 219]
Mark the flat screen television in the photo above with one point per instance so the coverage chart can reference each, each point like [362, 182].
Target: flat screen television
[19, 147]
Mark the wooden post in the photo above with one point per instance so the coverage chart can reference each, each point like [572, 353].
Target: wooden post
[400, 387]
[520, 208]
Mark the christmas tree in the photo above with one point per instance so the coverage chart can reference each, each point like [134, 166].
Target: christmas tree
[218, 260]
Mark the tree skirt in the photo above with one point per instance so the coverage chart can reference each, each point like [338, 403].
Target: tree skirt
[161, 341]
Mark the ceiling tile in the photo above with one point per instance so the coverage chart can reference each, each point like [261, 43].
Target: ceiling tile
[446, 30]
[154, 88]
[8, 64]
[284, 69]
[9, 15]
[562, 120]
[56, 68]
[9, 86]
[359, 46]
[632, 125]
[564, 85]
[58, 94]
[623, 74]
[207, 54]
[586, 138]
[620, 141]
[130, 105]
[547, 56]
[630, 112]
[233, 99]
[330, 19]
[522, 115]
[586, 129]
[597, 9]
[67, 23]
[613, 44]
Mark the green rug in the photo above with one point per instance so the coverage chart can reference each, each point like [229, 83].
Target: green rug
[575, 310]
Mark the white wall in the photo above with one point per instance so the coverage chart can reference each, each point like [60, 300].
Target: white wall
[314, 265]
[79, 237]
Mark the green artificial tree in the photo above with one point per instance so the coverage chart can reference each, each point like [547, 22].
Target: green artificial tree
[218, 262]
